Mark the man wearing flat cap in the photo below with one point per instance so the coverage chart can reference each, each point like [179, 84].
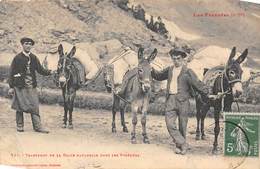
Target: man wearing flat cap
[180, 83]
[22, 82]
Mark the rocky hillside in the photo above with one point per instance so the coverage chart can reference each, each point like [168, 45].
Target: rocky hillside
[239, 28]
[50, 22]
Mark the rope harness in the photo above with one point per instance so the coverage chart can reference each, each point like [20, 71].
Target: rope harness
[224, 93]
[124, 53]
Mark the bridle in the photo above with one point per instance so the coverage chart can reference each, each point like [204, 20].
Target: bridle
[111, 84]
[65, 83]
[223, 75]
[139, 79]
[230, 82]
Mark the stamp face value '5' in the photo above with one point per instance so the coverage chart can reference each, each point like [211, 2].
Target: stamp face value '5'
[241, 137]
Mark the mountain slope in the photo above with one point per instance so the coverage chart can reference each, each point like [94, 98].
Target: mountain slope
[50, 22]
[241, 30]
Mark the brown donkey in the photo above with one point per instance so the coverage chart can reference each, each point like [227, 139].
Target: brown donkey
[67, 79]
[136, 93]
[228, 85]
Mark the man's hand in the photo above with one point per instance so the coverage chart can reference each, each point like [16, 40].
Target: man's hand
[11, 92]
[215, 97]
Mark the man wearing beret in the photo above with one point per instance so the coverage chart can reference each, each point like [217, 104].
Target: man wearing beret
[22, 82]
[180, 83]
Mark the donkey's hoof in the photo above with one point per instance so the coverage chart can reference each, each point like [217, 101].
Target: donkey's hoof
[125, 129]
[203, 137]
[133, 140]
[146, 141]
[113, 130]
[197, 137]
[64, 126]
[70, 126]
[215, 151]
[145, 138]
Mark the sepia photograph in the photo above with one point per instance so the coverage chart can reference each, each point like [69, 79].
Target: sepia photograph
[129, 84]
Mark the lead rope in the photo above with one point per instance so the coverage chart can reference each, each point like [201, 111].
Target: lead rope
[238, 108]
[224, 94]
[120, 97]
[222, 91]
[113, 90]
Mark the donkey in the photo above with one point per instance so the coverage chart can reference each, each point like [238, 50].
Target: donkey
[136, 93]
[226, 86]
[116, 104]
[69, 81]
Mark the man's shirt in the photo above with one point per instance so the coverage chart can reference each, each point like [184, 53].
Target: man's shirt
[174, 82]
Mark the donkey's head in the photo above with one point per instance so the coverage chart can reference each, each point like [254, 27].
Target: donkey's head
[144, 68]
[234, 71]
[64, 64]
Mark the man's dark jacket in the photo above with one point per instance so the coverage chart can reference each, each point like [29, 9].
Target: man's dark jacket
[18, 70]
[187, 82]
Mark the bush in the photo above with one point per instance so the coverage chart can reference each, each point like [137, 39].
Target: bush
[4, 73]
[251, 94]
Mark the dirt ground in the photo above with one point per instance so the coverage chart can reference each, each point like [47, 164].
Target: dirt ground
[91, 144]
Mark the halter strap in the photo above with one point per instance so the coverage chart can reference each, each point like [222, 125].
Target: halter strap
[63, 65]
[230, 81]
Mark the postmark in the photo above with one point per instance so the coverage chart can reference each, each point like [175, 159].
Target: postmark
[241, 134]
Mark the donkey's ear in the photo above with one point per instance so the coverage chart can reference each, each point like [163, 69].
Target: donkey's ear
[232, 54]
[153, 55]
[140, 54]
[60, 50]
[242, 57]
[72, 52]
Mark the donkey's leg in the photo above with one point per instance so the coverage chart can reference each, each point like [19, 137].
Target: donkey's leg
[143, 121]
[134, 108]
[197, 137]
[217, 108]
[198, 117]
[70, 117]
[65, 106]
[227, 107]
[115, 105]
[216, 129]
[71, 106]
[122, 113]
[204, 111]
[228, 103]
[65, 115]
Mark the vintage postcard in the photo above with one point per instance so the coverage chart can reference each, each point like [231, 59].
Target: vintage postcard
[129, 84]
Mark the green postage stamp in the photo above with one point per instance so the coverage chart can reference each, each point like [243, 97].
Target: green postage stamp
[241, 134]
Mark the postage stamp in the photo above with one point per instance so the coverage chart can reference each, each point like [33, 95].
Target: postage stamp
[241, 134]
